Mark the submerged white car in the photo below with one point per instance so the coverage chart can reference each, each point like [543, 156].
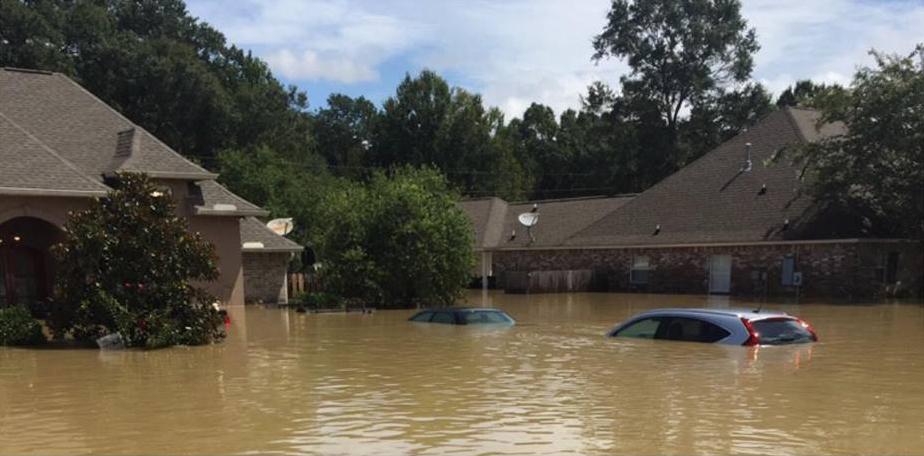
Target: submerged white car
[720, 326]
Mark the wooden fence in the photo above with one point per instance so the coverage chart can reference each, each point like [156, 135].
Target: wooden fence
[300, 282]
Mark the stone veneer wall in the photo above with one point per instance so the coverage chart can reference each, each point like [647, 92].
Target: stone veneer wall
[265, 277]
[829, 269]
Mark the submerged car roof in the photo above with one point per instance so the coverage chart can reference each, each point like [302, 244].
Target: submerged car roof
[740, 312]
[461, 309]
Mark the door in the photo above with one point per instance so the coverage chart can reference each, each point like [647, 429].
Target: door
[720, 274]
[22, 275]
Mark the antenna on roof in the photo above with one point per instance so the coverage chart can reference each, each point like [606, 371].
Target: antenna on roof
[746, 167]
[529, 220]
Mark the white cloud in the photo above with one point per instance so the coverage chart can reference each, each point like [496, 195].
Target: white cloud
[515, 52]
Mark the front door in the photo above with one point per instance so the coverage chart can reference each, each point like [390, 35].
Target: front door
[22, 275]
[720, 274]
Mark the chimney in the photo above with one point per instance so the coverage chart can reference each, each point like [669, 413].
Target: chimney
[127, 142]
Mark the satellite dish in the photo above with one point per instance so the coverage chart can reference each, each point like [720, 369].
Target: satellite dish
[281, 226]
[529, 219]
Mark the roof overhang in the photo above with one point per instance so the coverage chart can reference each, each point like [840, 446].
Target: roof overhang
[272, 249]
[209, 212]
[167, 175]
[16, 191]
[705, 244]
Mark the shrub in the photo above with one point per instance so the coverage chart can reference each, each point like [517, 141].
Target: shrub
[126, 265]
[317, 300]
[17, 327]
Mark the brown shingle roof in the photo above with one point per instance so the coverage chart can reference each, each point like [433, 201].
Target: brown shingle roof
[213, 199]
[255, 233]
[494, 220]
[27, 165]
[712, 200]
[83, 130]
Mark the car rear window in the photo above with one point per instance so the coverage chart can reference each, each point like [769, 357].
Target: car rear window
[423, 316]
[443, 317]
[780, 331]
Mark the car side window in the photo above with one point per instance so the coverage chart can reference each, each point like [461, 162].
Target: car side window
[423, 316]
[443, 317]
[644, 329]
[690, 330]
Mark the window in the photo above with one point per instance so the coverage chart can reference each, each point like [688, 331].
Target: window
[789, 265]
[443, 317]
[644, 329]
[485, 317]
[887, 267]
[639, 272]
[423, 316]
[778, 331]
[691, 330]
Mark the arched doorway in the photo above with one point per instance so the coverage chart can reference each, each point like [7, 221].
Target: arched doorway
[26, 267]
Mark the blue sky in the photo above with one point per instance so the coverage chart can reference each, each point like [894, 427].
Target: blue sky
[514, 52]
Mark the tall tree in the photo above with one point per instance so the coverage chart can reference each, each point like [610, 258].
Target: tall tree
[344, 133]
[876, 169]
[678, 50]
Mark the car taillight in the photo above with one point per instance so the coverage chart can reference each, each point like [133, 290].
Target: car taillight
[753, 335]
[808, 328]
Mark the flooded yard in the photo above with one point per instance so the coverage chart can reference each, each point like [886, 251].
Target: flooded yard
[284, 382]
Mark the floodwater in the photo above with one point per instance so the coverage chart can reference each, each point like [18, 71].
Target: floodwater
[285, 382]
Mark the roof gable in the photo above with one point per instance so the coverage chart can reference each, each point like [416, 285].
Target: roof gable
[85, 131]
[713, 199]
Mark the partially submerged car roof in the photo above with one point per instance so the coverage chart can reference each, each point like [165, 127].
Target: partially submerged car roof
[740, 312]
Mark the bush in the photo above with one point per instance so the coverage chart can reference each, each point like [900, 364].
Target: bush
[398, 241]
[126, 265]
[317, 300]
[17, 327]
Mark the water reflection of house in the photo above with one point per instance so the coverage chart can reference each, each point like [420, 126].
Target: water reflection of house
[727, 223]
[58, 143]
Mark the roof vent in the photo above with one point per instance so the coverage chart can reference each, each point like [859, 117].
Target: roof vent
[746, 167]
[127, 142]
[252, 245]
[224, 207]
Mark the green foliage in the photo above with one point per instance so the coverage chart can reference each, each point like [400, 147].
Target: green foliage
[679, 51]
[876, 169]
[317, 300]
[17, 327]
[395, 242]
[127, 264]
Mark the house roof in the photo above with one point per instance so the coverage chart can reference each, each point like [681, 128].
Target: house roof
[712, 200]
[256, 237]
[495, 220]
[28, 164]
[84, 130]
[210, 198]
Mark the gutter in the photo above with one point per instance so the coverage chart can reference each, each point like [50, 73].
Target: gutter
[50, 192]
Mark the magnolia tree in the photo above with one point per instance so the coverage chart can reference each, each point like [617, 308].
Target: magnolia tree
[127, 265]
[397, 241]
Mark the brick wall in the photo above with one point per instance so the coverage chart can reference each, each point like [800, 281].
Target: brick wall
[839, 270]
[264, 277]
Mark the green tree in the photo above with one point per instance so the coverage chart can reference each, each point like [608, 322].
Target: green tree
[678, 50]
[876, 169]
[344, 133]
[128, 264]
[397, 241]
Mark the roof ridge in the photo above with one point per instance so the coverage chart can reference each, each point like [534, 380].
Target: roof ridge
[28, 70]
[575, 198]
[55, 155]
[132, 124]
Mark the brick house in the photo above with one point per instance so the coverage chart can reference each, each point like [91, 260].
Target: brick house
[728, 223]
[58, 142]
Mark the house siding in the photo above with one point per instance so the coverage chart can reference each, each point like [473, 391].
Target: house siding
[828, 269]
[265, 277]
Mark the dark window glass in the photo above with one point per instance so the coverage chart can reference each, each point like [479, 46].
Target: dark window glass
[423, 316]
[644, 329]
[789, 266]
[891, 267]
[779, 331]
[691, 330]
[443, 317]
[485, 317]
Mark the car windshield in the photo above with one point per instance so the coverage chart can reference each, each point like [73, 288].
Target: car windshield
[478, 317]
[780, 331]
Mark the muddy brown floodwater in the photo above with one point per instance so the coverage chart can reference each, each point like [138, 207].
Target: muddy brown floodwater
[285, 382]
